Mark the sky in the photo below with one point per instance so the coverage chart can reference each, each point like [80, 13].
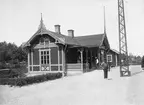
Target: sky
[20, 19]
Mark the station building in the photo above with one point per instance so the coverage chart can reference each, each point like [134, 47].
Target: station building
[50, 52]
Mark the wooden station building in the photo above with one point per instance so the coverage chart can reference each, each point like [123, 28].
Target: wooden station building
[50, 52]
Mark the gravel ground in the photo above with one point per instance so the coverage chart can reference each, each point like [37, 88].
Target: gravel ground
[86, 89]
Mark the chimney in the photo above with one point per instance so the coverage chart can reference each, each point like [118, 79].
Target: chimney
[71, 33]
[57, 29]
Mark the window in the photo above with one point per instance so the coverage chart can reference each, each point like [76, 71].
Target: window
[47, 41]
[44, 41]
[41, 41]
[45, 57]
[109, 58]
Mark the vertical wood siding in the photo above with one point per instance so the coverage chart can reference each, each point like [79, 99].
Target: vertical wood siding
[114, 59]
[54, 55]
[30, 58]
[60, 53]
[36, 57]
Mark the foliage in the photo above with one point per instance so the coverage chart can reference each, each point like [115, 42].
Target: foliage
[7, 51]
[11, 55]
[19, 54]
[15, 72]
[134, 60]
[3, 65]
[142, 62]
[29, 80]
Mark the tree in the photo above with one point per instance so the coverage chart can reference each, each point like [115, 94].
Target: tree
[11, 53]
[20, 54]
[134, 60]
[142, 62]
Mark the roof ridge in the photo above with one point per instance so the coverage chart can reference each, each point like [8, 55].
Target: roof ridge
[57, 33]
[89, 35]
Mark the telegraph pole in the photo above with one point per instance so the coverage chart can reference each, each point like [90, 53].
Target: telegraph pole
[124, 63]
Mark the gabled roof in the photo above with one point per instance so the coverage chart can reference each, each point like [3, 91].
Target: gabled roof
[115, 51]
[67, 39]
[61, 38]
[95, 40]
[90, 40]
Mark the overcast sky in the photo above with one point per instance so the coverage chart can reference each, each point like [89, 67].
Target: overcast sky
[20, 19]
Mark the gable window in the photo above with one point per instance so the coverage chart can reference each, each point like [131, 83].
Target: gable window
[109, 58]
[44, 41]
[41, 41]
[44, 57]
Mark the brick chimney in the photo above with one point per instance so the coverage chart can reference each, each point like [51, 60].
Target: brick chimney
[57, 29]
[71, 33]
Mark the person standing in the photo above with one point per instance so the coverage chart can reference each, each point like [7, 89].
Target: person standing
[109, 71]
[97, 62]
[105, 69]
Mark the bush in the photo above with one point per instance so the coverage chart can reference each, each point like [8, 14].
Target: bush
[29, 80]
[3, 65]
[9, 73]
[142, 62]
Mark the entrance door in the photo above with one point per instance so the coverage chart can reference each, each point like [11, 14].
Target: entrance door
[45, 60]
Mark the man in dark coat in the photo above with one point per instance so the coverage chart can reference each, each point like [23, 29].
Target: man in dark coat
[105, 69]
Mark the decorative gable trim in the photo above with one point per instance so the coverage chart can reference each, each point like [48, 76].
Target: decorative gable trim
[38, 46]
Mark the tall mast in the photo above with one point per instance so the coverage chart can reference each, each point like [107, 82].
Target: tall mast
[104, 22]
[124, 63]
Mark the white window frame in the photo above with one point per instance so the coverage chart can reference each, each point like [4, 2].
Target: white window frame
[45, 50]
[109, 55]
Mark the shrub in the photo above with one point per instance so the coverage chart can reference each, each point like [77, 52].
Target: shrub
[142, 62]
[29, 80]
[13, 71]
[3, 65]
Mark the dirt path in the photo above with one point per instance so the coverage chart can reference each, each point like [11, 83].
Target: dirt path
[86, 89]
[135, 91]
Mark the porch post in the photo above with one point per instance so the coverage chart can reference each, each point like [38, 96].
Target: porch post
[39, 60]
[86, 59]
[28, 62]
[32, 60]
[58, 59]
[81, 59]
[49, 59]
[99, 60]
[63, 61]
[116, 59]
[91, 57]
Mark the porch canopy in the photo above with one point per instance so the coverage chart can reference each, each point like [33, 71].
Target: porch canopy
[87, 52]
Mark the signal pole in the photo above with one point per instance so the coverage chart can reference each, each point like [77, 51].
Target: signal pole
[124, 63]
